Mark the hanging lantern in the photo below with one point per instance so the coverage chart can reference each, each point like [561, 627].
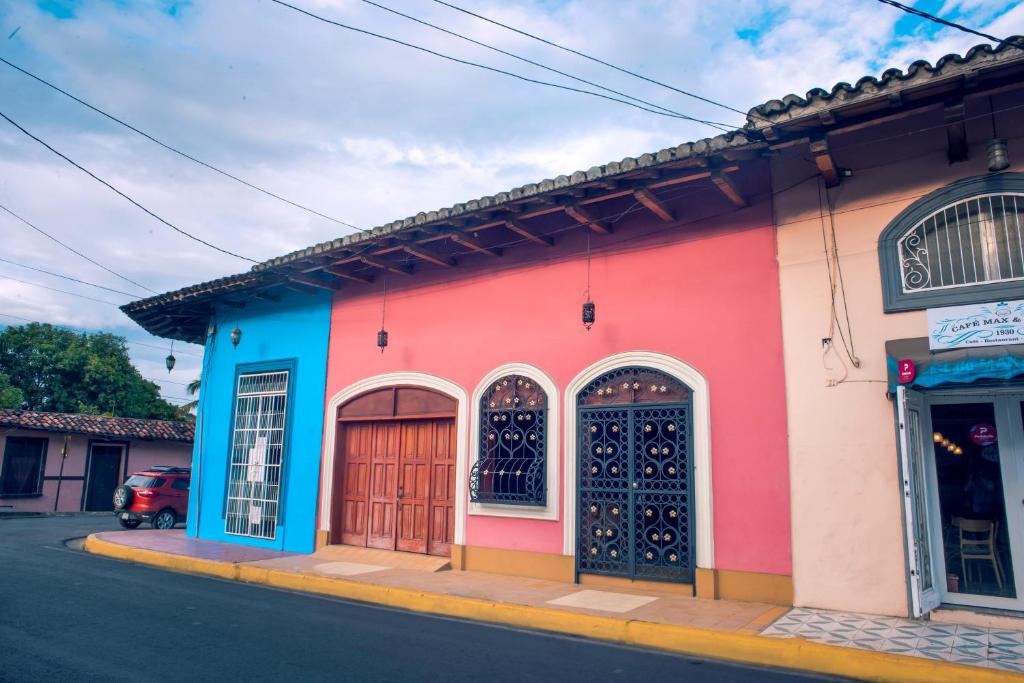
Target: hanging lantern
[382, 339]
[589, 314]
[236, 336]
[169, 362]
[998, 155]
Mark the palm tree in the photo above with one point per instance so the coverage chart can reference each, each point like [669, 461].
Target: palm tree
[192, 388]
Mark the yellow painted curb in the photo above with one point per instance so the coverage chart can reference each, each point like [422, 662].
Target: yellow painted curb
[789, 653]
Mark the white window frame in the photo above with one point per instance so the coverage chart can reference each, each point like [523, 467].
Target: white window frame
[551, 509]
[241, 473]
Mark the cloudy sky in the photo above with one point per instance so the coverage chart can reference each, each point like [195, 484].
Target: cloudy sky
[360, 129]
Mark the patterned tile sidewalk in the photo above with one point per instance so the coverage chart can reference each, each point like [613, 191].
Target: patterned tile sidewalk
[992, 648]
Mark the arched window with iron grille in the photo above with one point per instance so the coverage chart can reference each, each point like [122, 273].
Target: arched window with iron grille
[961, 244]
[510, 469]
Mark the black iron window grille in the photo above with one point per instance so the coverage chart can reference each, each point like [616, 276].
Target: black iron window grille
[511, 465]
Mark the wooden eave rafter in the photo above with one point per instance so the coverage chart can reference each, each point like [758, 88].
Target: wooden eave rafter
[725, 184]
[385, 265]
[338, 271]
[428, 255]
[584, 217]
[521, 230]
[653, 204]
[473, 243]
[956, 131]
[330, 285]
[824, 161]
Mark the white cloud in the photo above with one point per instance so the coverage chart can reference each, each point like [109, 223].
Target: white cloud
[364, 130]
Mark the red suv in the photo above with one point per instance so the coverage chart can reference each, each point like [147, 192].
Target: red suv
[158, 495]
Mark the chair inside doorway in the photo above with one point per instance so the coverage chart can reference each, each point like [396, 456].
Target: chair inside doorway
[394, 485]
[971, 502]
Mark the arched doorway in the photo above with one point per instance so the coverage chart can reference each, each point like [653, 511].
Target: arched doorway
[635, 484]
[394, 474]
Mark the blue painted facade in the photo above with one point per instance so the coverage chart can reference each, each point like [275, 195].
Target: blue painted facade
[288, 335]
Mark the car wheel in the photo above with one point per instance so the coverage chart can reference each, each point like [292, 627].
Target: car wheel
[130, 523]
[164, 519]
[123, 497]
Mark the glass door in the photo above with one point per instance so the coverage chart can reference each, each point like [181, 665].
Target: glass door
[924, 595]
[975, 443]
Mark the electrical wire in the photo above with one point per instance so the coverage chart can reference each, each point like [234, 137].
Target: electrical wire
[75, 251]
[62, 291]
[592, 58]
[492, 69]
[68, 277]
[177, 151]
[950, 24]
[537, 64]
[122, 194]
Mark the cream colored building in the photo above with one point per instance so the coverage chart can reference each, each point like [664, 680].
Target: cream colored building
[885, 207]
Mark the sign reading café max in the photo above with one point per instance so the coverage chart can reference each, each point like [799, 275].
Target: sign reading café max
[957, 327]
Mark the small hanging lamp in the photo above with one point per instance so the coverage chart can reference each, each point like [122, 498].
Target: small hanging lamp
[382, 335]
[589, 309]
[170, 360]
[997, 150]
[236, 336]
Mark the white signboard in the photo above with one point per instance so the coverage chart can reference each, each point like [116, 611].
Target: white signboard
[257, 459]
[958, 327]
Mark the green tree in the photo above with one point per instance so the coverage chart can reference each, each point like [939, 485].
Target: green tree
[62, 371]
[10, 395]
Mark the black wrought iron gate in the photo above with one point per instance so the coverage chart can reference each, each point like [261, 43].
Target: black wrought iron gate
[635, 483]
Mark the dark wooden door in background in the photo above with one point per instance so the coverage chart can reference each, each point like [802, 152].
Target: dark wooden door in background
[103, 476]
[397, 484]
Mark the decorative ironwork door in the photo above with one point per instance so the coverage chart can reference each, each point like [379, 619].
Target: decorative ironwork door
[635, 477]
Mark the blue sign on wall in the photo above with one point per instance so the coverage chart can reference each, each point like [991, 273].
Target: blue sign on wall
[289, 335]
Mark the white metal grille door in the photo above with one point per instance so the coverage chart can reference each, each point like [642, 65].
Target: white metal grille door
[257, 448]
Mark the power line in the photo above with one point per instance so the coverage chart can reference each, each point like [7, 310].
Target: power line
[62, 291]
[126, 341]
[592, 58]
[483, 66]
[950, 24]
[122, 194]
[530, 61]
[178, 151]
[68, 277]
[75, 251]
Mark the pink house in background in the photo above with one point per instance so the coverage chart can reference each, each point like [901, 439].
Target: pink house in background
[60, 462]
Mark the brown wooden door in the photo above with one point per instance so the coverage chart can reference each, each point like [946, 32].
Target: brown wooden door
[397, 485]
[442, 489]
[383, 485]
[355, 446]
[414, 485]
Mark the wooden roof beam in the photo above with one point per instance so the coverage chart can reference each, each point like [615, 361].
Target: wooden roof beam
[653, 204]
[584, 217]
[824, 161]
[728, 188]
[348, 275]
[523, 231]
[474, 244]
[956, 132]
[385, 265]
[268, 297]
[330, 285]
[428, 255]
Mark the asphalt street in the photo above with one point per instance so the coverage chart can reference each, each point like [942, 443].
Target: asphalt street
[66, 615]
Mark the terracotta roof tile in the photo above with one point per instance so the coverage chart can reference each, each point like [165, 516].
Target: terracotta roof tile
[99, 425]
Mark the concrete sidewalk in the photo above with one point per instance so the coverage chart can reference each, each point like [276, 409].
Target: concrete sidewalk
[858, 646]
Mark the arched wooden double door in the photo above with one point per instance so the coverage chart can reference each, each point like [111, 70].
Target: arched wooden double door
[395, 470]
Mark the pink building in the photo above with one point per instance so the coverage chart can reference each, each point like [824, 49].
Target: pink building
[60, 462]
[495, 427]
